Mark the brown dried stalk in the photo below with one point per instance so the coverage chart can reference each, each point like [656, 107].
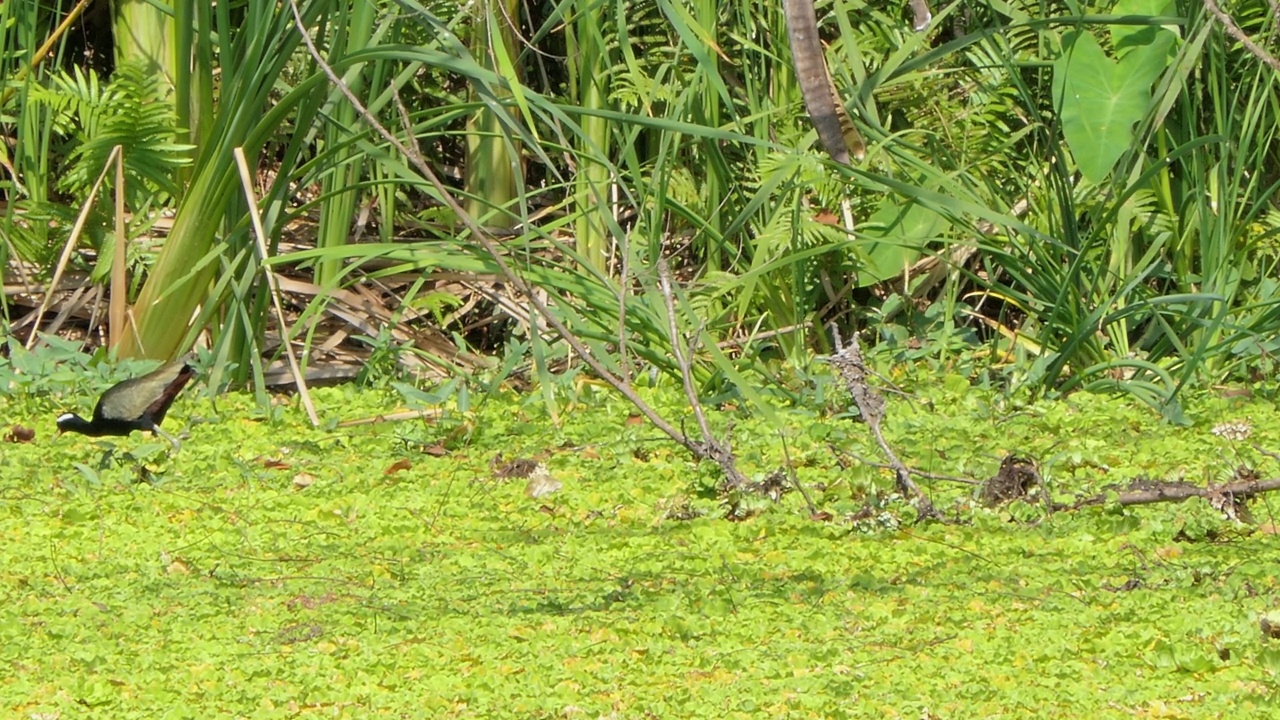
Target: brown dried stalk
[853, 371]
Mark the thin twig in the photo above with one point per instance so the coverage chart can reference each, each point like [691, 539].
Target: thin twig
[1234, 31]
[65, 258]
[50, 43]
[1268, 453]
[1177, 492]
[765, 335]
[716, 450]
[116, 311]
[673, 333]
[795, 477]
[918, 473]
[624, 249]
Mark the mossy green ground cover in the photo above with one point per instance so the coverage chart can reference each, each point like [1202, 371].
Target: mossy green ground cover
[273, 570]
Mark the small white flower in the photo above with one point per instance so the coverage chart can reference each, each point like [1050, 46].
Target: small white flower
[1234, 431]
[541, 483]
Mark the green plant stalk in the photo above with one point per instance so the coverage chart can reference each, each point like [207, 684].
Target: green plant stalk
[193, 72]
[588, 67]
[337, 214]
[493, 157]
[184, 27]
[253, 52]
[19, 34]
[383, 76]
[142, 35]
[147, 34]
[32, 159]
[715, 183]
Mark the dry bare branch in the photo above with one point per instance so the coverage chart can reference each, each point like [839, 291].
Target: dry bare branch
[1149, 492]
[259, 234]
[1234, 31]
[853, 371]
[712, 448]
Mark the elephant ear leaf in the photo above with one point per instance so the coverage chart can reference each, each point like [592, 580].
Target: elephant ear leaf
[1100, 100]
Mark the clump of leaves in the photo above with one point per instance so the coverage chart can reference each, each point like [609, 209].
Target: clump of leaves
[129, 111]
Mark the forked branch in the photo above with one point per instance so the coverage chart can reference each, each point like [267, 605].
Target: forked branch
[849, 364]
[711, 447]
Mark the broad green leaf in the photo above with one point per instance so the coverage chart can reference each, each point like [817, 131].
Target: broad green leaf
[894, 237]
[1126, 37]
[1100, 100]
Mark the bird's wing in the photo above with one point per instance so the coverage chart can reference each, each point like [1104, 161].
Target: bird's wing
[148, 394]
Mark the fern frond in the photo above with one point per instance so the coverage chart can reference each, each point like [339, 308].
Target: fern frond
[131, 113]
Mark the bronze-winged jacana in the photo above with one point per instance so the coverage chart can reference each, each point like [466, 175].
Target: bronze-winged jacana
[137, 404]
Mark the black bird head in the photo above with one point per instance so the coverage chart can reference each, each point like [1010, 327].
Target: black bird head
[71, 422]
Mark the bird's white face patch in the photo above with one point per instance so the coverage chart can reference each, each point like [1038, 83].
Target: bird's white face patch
[65, 416]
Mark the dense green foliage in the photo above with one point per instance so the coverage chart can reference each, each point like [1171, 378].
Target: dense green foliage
[1089, 187]
[1055, 197]
[270, 570]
